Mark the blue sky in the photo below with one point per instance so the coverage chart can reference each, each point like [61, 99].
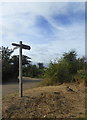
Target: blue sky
[50, 28]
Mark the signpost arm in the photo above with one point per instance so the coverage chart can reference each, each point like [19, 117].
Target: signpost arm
[20, 70]
[21, 46]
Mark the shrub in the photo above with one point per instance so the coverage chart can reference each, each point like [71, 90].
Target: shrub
[81, 76]
[68, 69]
[57, 73]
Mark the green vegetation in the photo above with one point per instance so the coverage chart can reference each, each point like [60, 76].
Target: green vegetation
[10, 66]
[68, 69]
[33, 71]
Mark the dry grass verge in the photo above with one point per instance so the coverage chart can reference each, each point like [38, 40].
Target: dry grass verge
[63, 101]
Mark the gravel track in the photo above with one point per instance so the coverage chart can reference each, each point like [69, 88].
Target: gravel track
[14, 87]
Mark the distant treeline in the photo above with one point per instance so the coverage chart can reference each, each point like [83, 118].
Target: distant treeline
[10, 66]
[68, 68]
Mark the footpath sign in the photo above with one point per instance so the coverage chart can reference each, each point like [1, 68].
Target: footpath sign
[21, 46]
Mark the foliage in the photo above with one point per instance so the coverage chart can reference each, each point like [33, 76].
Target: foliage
[10, 65]
[33, 71]
[71, 59]
[81, 76]
[58, 73]
[41, 66]
[67, 69]
[7, 68]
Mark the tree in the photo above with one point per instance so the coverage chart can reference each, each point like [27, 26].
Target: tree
[6, 53]
[40, 65]
[6, 66]
[81, 63]
[57, 73]
[10, 64]
[40, 70]
[70, 57]
[26, 60]
[64, 70]
[15, 60]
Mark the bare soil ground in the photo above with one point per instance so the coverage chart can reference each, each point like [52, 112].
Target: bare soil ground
[62, 101]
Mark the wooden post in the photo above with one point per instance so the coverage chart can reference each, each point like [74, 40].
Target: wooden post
[20, 70]
[21, 46]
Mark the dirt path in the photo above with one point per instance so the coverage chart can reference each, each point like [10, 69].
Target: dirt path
[14, 87]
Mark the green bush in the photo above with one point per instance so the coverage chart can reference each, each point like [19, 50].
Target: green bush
[81, 76]
[67, 69]
[57, 73]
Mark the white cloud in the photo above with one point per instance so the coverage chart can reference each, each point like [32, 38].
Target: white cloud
[19, 18]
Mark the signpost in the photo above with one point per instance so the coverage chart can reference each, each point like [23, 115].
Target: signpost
[21, 46]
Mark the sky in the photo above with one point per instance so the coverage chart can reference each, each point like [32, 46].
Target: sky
[50, 28]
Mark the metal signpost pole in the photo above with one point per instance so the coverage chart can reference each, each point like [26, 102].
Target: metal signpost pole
[20, 70]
